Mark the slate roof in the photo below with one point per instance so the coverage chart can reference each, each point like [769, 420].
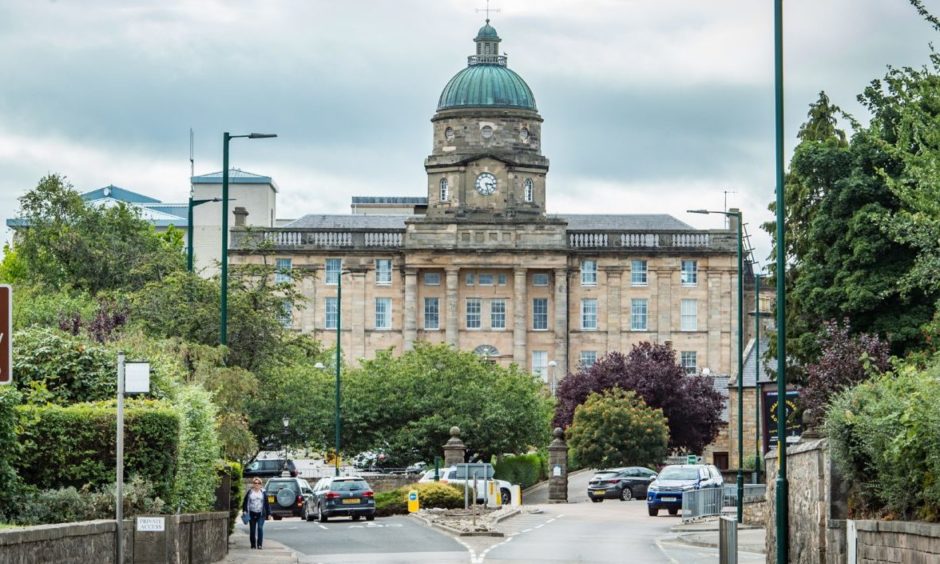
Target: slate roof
[235, 176]
[576, 222]
[750, 358]
[721, 384]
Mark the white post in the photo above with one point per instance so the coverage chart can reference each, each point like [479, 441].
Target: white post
[551, 367]
[119, 489]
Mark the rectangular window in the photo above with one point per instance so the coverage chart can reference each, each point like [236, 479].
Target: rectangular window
[502, 279]
[432, 278]
[473, 313]
[498, 314]
[333, 268]
[286, 316]
[383, 313]
[588, 358]
[485, 280]
[589, 273]
[689, 272]
[687, 359]
[540, 279]
[689, 315]
[589, 315]
[469, 279]
[540, 314]
[639, 308]
[540, 364]
[282, 268]
[383, 271]
[432, 313]
[331, 314]
[638, 273]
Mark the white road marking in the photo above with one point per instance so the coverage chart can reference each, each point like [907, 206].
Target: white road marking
[539, 526]
[483, 556]
[473, 553]
[323, 527]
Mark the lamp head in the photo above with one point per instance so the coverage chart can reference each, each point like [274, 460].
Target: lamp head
[261, 135]
[703, 212]
[286, 422]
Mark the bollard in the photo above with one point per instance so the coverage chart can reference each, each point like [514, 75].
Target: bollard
[728, 540]
[516, 495]
[413, 502]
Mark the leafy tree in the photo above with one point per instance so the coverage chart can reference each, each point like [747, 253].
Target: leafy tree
[196, 476]
[845, 361]
[68, 243]
[51, 366]
[691, 404]
[12, 266]
[617, 428]
[406, 405]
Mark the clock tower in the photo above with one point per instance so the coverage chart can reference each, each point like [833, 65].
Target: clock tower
[486, 160]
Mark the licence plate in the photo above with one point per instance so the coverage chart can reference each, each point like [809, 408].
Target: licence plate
[270, 499]
[351, 500]
[669, 499]
[599, 492]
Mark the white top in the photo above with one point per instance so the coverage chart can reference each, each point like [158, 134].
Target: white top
[255, 501]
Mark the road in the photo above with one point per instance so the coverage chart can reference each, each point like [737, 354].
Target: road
[580, 531]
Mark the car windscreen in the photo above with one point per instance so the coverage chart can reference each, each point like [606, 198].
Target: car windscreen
[678, 473]
[603, 475]
[275, 486]
[349, 485]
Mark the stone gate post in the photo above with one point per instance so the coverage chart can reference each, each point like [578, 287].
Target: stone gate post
[454, 449]
[558, 468]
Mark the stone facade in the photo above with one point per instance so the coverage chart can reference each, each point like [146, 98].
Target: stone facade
[881, 542]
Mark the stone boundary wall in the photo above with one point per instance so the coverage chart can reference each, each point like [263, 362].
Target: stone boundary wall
[897, 541]
[755, 513]
[198, 538]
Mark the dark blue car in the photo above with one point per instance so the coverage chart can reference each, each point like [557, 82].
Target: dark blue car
[666, 491]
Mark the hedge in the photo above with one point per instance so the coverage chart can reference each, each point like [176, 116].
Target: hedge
[430, 495]
[9, 398]
[525, 469]
[62, 446]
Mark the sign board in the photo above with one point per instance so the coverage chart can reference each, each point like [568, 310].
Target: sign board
[151, 524]
[556, 470]
[137, 378]
[691, 459]
[6, 334]
[413, 503]
[794, 427]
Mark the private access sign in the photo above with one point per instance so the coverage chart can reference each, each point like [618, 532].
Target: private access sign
[6, 334]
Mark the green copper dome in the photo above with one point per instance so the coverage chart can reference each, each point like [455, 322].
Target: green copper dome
[486, 85]
[487, 82]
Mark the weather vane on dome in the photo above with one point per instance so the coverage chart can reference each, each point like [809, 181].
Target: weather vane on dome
[488, 10]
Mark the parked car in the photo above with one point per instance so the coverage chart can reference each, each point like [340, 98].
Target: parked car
[620, 483]
[290, 497]
[673, 481]
[416, 468]
[269, 467]
[343, 495]
[461, 475]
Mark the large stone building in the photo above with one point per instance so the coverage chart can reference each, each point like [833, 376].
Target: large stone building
[480, 265]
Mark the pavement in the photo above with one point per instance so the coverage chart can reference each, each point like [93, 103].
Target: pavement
[705, 534]
[240, 551]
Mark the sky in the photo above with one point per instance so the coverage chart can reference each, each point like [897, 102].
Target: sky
[649, 106]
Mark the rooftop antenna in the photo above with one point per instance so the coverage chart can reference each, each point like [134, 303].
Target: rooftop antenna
[488, 10]
[726, 192]
[192, 160]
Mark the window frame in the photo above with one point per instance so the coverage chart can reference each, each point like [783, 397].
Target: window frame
[684, 315]
[634, 271]
[536, 315]
[444, 193]
[586, 315]
[434, 274]
[528, 190]
[635, 315]
[331, 276]
[436, 313]
[379, 282]
[282, 275]
[478, 303]
[387, 326]
[538, 275]
[688, 278]
[540, 370]
[689, 369]
[494, 315]
[581, 362]
[589, 275]
[326, 312]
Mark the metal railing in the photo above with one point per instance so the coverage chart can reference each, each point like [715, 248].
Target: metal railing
[715, 501]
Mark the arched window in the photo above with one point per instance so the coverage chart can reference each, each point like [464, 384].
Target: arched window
[445, 193]
[529, 194]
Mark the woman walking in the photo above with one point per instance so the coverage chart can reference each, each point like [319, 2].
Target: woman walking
[255, 505]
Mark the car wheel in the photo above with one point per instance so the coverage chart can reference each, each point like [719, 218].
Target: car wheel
[653, 511]
[674, 511]
[597, 499]
[277, 517]
[307, 515]
[370, 517]
[626, 494]
[355, 517]
[322, 515]
[505, 497]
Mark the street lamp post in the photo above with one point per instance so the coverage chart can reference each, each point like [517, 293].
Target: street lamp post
[551, 367]
[757, 385]
[286, 422]
[740, 484]
[782, 500]
[339, 317]
[189, 229]
[226, 137]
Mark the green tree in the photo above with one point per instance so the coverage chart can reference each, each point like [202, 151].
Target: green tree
[12, 266]
[196, 477]
[617, 428]
[70, 244]
[406, 405]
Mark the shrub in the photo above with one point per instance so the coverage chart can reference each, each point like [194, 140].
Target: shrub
[617, 428]
[430, 495]
[62, 446]
[9, 398]
[236, 490]
[52, 366]
[66, 505]
[885, 438]
[525, 470]
[196, 477]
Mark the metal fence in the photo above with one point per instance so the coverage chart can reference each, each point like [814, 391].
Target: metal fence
[715, 501]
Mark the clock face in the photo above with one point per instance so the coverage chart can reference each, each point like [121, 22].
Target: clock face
[486, 183]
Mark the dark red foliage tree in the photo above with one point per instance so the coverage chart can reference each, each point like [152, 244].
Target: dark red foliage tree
[690, 403]
[845, 361]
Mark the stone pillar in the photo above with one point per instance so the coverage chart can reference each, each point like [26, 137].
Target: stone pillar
[561, 322]
[519, 325]
[558, 468]
[712, 358]
[664, 305]
[614, 280]
[241, 216]
[308, 315]
[357, 317]
[450, 329]
[454, 449]
[411, 308]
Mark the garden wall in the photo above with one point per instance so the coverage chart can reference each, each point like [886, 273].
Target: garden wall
[198, 538]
